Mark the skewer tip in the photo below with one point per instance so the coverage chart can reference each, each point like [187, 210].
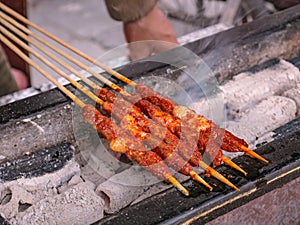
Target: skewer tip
[250, 152]
[228, 162]
[178, 185]
[199, 179]
[217, 175]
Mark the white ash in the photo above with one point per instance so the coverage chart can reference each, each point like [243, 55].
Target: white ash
[131, 186]
[120, 190]
[57, 200]
[294, 94]
[247, 89]
[99, 162]
[78, 205]
[76, 179]
[32, 190]
[266, 116]
[10, 207]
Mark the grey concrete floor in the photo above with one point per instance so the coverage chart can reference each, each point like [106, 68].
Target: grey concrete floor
[85, 25]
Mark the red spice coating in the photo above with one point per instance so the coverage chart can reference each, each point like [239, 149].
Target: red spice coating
[147, 159]
[151, 162]
[167, 151]
[149, 126]
[154, 112]
[100, 122]
[155, 97]
[230, 142]
[170, 154]
[184, 144]
[105, 94]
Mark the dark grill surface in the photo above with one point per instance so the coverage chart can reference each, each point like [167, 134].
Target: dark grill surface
[36, 163]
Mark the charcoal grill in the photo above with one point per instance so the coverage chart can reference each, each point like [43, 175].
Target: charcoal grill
[227, 53]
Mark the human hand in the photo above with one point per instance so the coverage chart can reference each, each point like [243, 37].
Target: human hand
[155, 27]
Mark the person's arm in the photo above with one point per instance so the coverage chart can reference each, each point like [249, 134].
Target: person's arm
[142, 21]
[129, 10]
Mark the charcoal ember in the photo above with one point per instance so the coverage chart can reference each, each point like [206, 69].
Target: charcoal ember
[30, 178]
[266, 116]
[12, 198]
[294, 94]
[78, 205]
[123, 188]
[36, 164]
[251, 87]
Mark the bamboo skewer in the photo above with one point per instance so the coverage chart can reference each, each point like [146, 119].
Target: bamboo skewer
[60, 72]
[250, 152]
[217, 175]
[51, 55]
[228, 162]
[45, 74]
[70, 58]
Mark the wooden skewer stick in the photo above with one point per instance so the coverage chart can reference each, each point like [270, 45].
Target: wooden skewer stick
[51, 55]
[228, 162]
[64, 54]
[199, 179]
[9, 44]
[250, 152]
[43, 72]
[176, 183]
[217, 175]
[57, 70]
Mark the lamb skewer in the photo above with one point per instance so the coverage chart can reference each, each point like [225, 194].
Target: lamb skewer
[229, 142]
[184, 149]
[162, 117]
[121, 141]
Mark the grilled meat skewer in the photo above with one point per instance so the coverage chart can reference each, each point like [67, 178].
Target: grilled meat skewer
[187, 137]
[184, 148]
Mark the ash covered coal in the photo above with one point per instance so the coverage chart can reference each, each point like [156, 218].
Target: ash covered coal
[260, 100]
[249, 88]
[46, 188]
